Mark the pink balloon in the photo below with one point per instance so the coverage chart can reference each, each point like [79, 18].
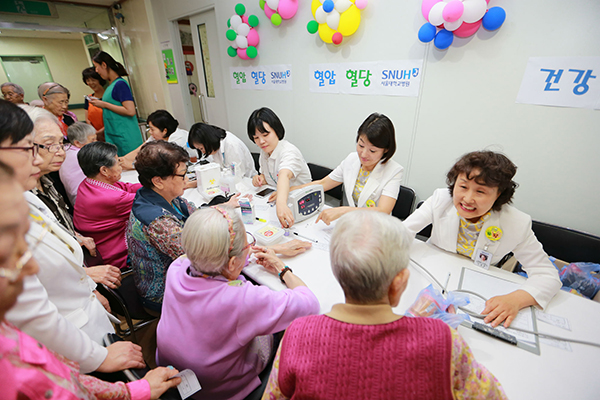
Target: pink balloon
[453, 10]
[361, 4]
[252, 37]
[426, 7]
[242, 54]
[467, 29]
[287, 8]
[245, 19]
[268, 11]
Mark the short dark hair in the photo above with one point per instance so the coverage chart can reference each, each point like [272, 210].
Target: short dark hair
[90, 73]
[15, 124]
[162, 119]
[379, 130]
[260, 116]
[209, 136]
[103, 57]
[96, 155]
[495, 170]
[158, 158]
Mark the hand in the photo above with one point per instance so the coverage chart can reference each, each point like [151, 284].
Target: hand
[291, 248]
[270, 261]
[285, 216]
[505, 308]
[108, 275]
[233, 201]
[272, 197]
[160, 381]
[122, 355]
[103, 300]
[126, 164]
[331, 214]
[191, 184]
[97, 102]
[258, 180]
[88, 243]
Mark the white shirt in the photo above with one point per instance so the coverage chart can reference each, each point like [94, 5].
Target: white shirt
[233, 150]
[285, 156]
[180, 137]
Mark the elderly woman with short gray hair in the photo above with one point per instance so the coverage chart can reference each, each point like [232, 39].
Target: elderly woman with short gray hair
[103, 203]
[56, 100]
[232, 344]
[392, 356]
[70, 172]
[12, 92]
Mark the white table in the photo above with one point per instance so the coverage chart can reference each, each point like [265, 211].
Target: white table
[555, 374]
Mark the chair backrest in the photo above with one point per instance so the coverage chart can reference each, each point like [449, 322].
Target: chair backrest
[567, 244]
[425, 232]
[256, 156]
[319, 172]
[404, 203]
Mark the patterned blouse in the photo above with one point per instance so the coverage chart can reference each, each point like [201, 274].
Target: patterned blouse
[55, 202]
[470, 380]
[468, 232]
[361, 181]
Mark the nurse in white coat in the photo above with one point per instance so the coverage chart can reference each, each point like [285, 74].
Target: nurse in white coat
[224, 147]
[370, 177]
[472, 218]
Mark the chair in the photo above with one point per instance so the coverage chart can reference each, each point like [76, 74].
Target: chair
[319, 172]
[425, 232]
[125, 302]
[256, 156]
[567, 244]
[404, 203]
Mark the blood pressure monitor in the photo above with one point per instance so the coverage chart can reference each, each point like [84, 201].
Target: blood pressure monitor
[306, 202]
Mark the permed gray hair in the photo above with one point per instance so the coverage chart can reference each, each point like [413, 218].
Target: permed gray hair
[368, 249]
[80, 131]
[18, 89]
[205, 239]
[39, 116]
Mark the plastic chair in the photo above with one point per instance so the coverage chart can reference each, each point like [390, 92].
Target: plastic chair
[404, 203]
[567, 244]
[319, 172]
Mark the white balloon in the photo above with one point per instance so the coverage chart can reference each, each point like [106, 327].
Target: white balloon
[273, 4]
[243, 29]
[435, 14]
[452, 26]
[233, 44]
[235, 21]
[342, 5]
[321, 15]
[474, 10]
[333, 20]
[241, 41]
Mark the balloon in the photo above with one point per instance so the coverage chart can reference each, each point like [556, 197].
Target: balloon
[253, 38]
[435, 14]
[337, 38]
[325, 33]
[240, 9]
[494, 18]
[316, 4]
[235, 20]
[276, 19]
[273, 4]
[333, 20]
[321, 16]
[474, 10]
[312, 27]
[243, 29]
[230, 34]
[241, 42]
[288, 8]
[328, 6]
[229, 23]
[231, 51]
[452, 26]
[349, 21]
[427, 32]
[253, 21]
[261, 3]
[242, 54]
[443, 39]
[244, 19]
[251, 52]
[361, 4]
[453, 11]
[233, 44]
[342, 5]
[426, 7]
[269, 12]
[466, 29]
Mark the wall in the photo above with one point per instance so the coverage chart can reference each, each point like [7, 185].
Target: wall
[467, 99]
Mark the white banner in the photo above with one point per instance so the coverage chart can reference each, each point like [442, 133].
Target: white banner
[391, 78]
[262, 77]
[562, 81]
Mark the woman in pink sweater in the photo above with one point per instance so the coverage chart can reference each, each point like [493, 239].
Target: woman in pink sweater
[361, 349]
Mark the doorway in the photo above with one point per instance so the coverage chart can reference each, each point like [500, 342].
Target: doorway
[27, 71]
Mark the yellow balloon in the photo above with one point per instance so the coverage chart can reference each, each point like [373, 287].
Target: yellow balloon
[349, 21]
[315, 4]
[326, 33]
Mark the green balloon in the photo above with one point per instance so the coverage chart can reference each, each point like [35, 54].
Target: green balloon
[231, 51]
[313, 26]
[262, 4]
[251, 52]
[231, 35]
[276, 19]
[253, 20]
[240, 9]
[229, 23]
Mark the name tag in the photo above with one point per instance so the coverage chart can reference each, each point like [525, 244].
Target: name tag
[483, 258]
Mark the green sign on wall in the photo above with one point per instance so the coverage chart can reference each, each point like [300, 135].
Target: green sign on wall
[28, 7]
[169, 64]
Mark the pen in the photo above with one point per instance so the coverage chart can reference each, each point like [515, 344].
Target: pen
[446, 285]
[261, 220]
[304, 237]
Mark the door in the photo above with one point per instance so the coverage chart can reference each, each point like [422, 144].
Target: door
[28, 72]
[210, 94]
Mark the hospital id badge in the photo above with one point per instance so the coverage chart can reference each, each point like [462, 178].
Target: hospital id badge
[483, 258]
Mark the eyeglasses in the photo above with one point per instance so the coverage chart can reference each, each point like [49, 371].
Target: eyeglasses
[251, 241]
[34, 149]
[53, 148]
[180, 175]
[13, 274]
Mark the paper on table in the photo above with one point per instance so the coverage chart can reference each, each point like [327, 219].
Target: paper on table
[551, 319]
[319, 233]
[189, 383]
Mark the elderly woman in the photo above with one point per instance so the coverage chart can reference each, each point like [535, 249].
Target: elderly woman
[56, 100]
[233, 343]
[70, 173]
[93, 114]
[12, 92]
[103, 203]
[393, 356]
[29, 369]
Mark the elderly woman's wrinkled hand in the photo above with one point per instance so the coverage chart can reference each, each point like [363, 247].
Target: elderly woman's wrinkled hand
[291, 248]
[106, 274]
[161, 379]
[270, 261]
[89, 244]
[125, 163]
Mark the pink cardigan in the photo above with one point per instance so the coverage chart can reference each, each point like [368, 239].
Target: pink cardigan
[102, 212]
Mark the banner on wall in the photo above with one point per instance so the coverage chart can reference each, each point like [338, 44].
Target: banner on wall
[262, 77]
[388, 78]
[169, 64]
[561, 81]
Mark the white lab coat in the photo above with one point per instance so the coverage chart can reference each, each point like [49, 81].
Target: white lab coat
[543, 282]
[58, 307]
[285, 156]
[180, 137]
[385, 179]
[233, 150]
